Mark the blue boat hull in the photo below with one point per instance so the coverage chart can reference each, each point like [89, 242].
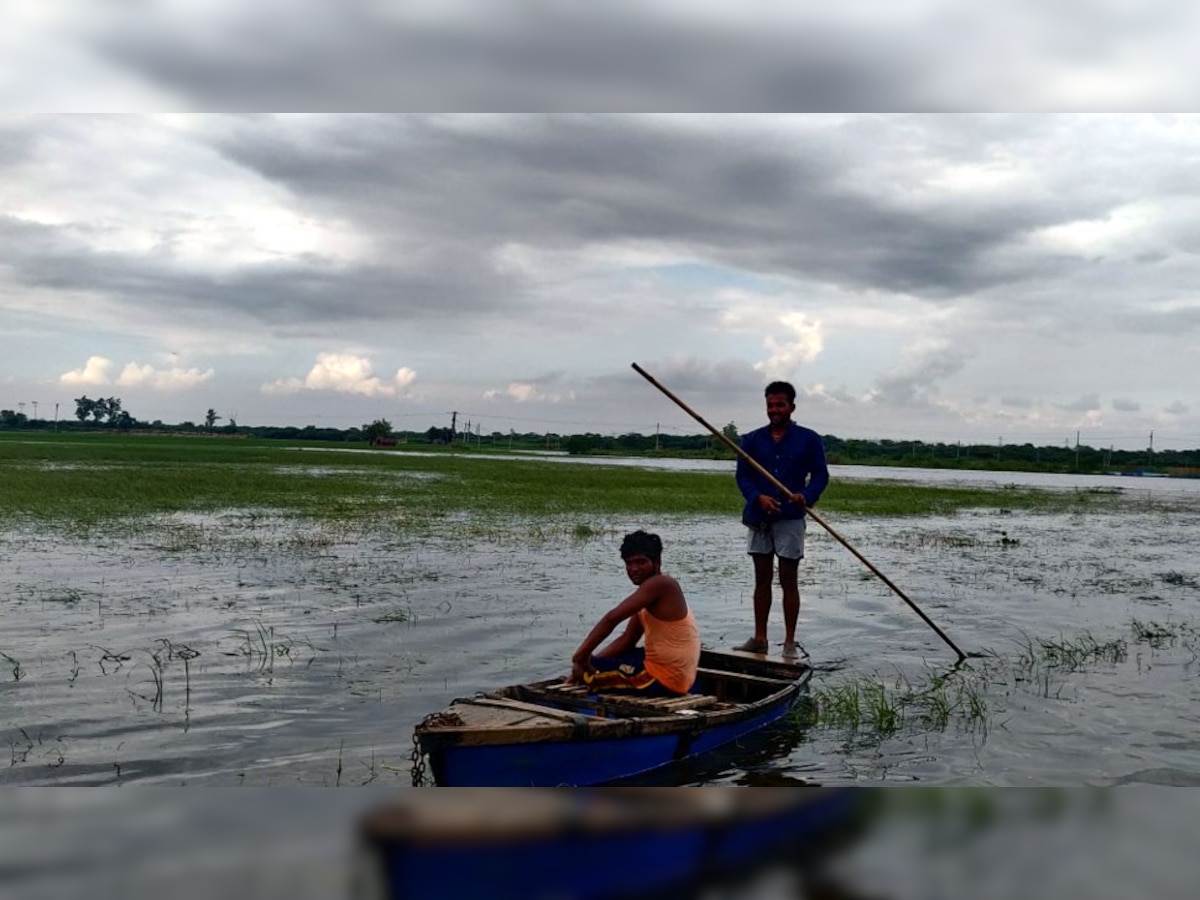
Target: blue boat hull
[581, 763]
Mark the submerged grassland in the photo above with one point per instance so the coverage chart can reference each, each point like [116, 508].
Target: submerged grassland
[82, 481]
[227, 611]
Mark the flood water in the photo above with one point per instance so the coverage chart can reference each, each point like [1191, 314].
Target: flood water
[247, 650]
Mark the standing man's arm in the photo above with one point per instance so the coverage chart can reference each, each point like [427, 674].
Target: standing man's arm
[751, 482]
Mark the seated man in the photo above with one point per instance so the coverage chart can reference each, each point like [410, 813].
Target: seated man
[667, 665]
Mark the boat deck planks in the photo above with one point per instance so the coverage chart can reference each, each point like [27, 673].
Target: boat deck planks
[624, 704]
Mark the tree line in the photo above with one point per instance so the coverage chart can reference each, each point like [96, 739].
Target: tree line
[108, 413]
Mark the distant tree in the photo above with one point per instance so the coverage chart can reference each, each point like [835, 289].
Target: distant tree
[210, 418]
[123, 420]
[730, 431]
[104, 409]
[11, 419]
[380, 428]
[84, 407]
[577, 444]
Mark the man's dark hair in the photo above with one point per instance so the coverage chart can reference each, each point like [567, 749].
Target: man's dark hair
[781, 387]
[640, 543]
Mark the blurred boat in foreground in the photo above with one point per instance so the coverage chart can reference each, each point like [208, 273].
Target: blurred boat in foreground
[593, 844]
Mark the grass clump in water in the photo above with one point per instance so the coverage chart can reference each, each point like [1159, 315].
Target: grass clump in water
[875, 706]
[1162, 634]
[1073, 654]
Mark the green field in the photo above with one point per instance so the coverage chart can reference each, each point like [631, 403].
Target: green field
[85, 480]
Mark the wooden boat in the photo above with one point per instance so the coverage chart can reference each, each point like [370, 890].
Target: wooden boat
[597, 843]
[549, 733]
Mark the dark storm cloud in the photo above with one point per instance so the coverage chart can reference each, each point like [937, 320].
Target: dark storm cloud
[737, 195]
[290, 296]
[1087, 403]
[598, 58]
[438, 200]
[1171, 321]
[918, 385]
[623, 56]
[693, 377]
[1017, 402]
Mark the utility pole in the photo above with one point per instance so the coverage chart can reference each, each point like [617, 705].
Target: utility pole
[1077, 450]
[657, 444]
[35, 410]
[453, 426]
[56, 417]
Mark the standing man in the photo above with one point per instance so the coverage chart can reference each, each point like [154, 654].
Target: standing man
[796, 457]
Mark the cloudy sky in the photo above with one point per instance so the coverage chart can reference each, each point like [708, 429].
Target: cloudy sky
[952, 277]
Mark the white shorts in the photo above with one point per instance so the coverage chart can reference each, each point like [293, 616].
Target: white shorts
[783, 537]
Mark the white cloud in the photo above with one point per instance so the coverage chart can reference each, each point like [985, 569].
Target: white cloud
[793, 339]
[1086, 237]
[528, 392]
[171, 379]
[800, 343]
[344, 373]
[94, 372]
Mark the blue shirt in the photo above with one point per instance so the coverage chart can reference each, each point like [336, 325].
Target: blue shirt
[797, 461]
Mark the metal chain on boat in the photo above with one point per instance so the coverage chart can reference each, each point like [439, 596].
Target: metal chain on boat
[420, 775]
[418, 762]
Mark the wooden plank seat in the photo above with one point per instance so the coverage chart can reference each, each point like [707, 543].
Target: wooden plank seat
[671, 704]
[624, 704]
[685, 701]
[718, 675]
[578, 690]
